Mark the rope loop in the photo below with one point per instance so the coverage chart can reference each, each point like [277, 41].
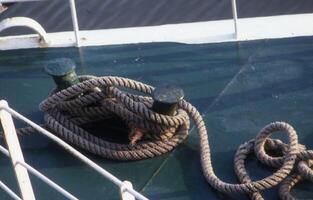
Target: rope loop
[152, 134]
[96, 98]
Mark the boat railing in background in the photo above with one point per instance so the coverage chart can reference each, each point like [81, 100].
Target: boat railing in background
[73, 15]
[76, 26]
[25, 22]
[21, 168]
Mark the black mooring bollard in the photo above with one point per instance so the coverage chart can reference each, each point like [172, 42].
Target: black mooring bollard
[63, 72]
[166, 99]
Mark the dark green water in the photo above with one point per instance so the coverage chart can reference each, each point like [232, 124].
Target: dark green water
[238, 87]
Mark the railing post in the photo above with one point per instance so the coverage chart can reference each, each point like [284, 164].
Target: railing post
[75, 21]
[15, 153]
[235, 17]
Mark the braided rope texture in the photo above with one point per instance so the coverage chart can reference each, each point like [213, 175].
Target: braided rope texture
[97, 98]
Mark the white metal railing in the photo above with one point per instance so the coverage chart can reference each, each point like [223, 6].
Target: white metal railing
[73, 15]
[22, 168]
[15, 153]
[39, 175]
[9, 191]
[76, 26]
[235, 17]
[26, 22]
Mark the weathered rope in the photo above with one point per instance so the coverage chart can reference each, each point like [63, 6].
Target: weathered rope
[96, 98]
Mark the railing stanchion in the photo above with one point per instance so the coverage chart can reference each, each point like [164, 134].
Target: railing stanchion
[15, 153]
[75, 21]
[235, 17]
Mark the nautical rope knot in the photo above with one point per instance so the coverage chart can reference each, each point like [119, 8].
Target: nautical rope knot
[153, 134]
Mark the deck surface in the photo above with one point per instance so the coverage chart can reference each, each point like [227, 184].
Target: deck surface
[238, 88]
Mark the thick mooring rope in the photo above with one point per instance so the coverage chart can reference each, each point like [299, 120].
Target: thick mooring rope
[153, 134]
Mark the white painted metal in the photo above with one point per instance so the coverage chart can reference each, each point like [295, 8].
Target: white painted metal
[2, 8]
[73, 151]
[9, 191]
[34, 25]
[40, 176]
[15, 153]
[284, 26]
[235, 17]
[25, 22]
[75, 21]
[125, 195]
[47, 181]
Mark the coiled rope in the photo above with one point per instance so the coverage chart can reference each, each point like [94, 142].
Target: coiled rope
[96, 98]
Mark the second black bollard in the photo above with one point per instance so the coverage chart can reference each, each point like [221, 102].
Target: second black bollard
[166, 99]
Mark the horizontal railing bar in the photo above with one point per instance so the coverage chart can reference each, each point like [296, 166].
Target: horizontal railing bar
[48, 181]
[74, 152]
[9, 191]
[40, 176]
